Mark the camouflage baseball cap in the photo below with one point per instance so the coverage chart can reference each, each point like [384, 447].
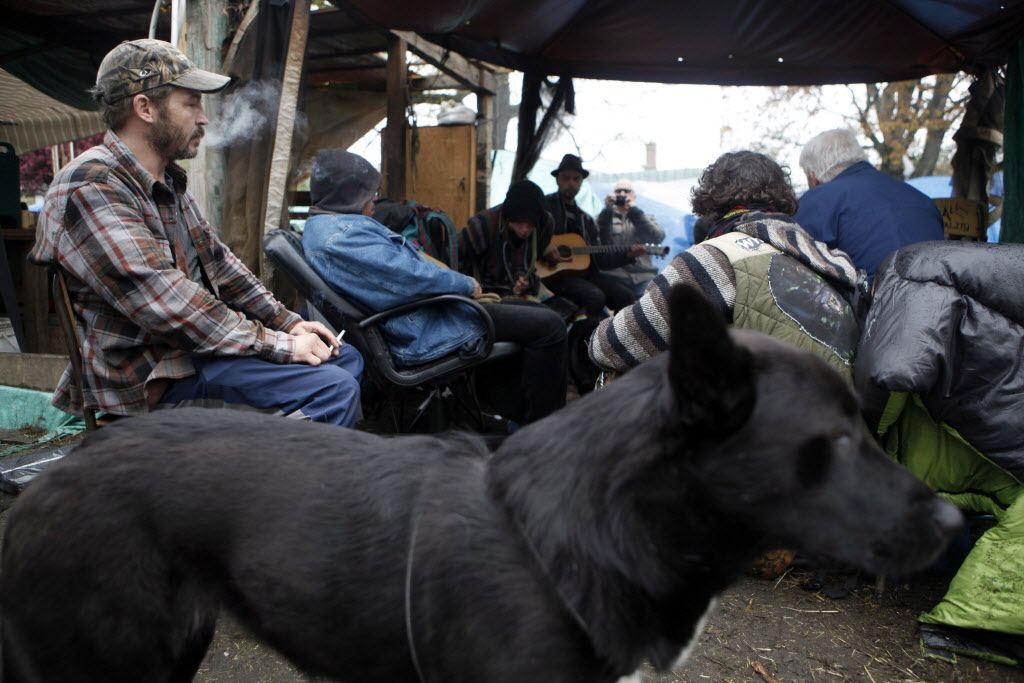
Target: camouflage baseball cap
[136, 66]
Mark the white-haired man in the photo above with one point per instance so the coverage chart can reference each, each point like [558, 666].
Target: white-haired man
[856, 208]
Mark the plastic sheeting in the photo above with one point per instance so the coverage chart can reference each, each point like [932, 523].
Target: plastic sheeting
[23, 409]
[30, 120]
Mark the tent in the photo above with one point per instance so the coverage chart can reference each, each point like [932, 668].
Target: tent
[730, 42]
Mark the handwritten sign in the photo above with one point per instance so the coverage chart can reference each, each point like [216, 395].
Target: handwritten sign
[962, 218]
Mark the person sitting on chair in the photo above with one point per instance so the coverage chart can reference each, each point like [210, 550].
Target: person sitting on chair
[379, 270]
[168, 315]
[759, 268]
[500, 245]
[591, 289]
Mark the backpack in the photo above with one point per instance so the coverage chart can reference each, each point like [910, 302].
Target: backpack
[427, 229]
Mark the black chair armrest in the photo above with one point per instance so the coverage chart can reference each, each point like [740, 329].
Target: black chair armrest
[376, 318]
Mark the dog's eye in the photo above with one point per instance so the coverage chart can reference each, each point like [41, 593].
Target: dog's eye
[813, 460]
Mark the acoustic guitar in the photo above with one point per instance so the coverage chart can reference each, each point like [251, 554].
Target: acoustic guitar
[573, 246]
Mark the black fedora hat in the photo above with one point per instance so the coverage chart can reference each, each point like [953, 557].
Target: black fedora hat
[571, 162]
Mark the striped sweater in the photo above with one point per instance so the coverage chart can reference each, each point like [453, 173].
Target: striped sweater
[641, 331]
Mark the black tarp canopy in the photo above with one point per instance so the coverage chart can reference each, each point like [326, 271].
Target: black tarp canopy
[727, 42]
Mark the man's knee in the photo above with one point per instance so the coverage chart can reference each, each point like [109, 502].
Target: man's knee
[592, 299]
[334, 396]
[351, 360]
[341, 380]
[551, 328]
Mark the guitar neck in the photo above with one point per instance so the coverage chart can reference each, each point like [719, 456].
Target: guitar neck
[605, 249]
[610, 249]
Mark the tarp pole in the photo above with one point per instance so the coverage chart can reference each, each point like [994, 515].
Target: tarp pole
[1012, 227]
[280, 160]
[395, 133]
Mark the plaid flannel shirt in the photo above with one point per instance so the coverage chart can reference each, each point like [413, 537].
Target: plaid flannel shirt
[139, 316]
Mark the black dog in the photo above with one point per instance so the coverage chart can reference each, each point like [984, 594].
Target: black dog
[589, 542]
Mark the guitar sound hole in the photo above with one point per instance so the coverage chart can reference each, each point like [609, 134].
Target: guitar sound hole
[565, 251]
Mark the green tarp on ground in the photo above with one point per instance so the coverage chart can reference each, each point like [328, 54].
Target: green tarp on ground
[30, 411]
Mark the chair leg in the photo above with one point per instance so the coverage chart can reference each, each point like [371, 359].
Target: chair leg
[424, 406]
[438, 416]
[472, 406]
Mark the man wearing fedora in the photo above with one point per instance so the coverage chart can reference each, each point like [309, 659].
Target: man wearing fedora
[168, 316]
[590, 289]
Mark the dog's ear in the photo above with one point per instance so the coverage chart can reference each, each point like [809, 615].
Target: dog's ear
[713, 378]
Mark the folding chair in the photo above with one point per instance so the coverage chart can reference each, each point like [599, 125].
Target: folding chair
[436, 380]
[72, 343]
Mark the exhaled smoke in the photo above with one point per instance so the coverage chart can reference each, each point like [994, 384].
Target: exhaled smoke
[245, 114]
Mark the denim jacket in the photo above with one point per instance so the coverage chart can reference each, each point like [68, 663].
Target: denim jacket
[377, 270]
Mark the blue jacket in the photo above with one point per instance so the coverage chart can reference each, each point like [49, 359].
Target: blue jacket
[377, 270]
[868, 214]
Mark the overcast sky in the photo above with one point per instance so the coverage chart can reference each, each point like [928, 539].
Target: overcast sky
[690, 124]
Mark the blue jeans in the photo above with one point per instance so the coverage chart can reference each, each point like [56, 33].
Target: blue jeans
[325, 393]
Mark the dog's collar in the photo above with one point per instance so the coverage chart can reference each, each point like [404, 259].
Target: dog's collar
[410, 637]
[408, 602]
[576, 616]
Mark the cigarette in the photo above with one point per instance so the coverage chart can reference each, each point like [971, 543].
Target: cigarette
[341, 334]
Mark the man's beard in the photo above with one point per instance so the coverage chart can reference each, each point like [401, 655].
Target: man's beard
[173, 143]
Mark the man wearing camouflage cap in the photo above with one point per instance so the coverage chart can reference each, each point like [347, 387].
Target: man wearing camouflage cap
[167, 315]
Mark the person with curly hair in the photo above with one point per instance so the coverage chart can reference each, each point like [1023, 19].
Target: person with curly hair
[757, 266]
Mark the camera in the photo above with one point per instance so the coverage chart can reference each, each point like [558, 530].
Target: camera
[620, 200]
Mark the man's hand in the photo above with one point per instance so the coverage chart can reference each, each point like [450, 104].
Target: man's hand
[311, 349]
[313, 327]
[636, 250]
[478, 291]
[552, 256]
[520, 286]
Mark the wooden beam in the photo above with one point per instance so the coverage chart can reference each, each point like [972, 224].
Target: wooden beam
[455, 65]
[439, 82]
[394, 135]
[485, 120]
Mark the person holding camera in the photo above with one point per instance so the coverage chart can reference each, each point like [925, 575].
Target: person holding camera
[623, 222]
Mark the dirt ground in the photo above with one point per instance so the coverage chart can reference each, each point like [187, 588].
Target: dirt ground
[764, 631]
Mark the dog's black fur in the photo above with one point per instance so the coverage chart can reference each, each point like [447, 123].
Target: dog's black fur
[589, 542]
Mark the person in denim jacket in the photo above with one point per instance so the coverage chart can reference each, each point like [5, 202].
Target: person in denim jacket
[379, 269]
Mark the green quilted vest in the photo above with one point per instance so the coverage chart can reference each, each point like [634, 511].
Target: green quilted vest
[781, 297]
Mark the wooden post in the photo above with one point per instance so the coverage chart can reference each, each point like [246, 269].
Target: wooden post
[393, 157]
[485, 121]
[207, 30]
